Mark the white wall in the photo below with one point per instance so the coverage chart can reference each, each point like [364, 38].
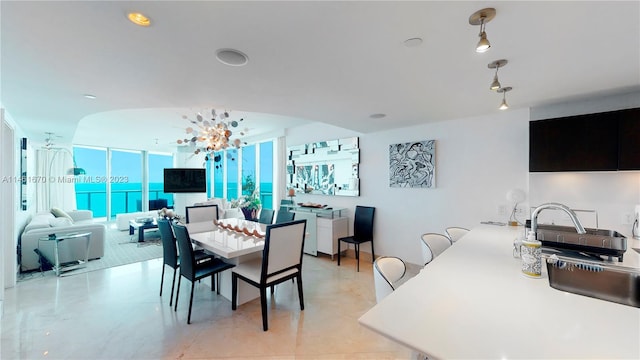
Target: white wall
[3, 224]
[611, 194]
[478, 160]
[13, 218]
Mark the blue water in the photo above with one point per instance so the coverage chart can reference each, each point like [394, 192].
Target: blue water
[126, 197]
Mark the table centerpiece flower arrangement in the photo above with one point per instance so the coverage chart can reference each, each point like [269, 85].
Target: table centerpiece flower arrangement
[250, 202]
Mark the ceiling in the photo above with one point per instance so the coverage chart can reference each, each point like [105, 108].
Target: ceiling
[331, 62]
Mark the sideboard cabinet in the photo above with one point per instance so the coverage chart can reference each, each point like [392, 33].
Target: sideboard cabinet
[328, 231]
[324, 228]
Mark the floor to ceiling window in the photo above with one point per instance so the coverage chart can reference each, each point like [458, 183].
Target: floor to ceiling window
[116, 181]
[249, 181]
[126, 181]
[266, 174]
[218, 174]
[122, 171]
[231, 169]
[92, 193]
[157, 163]
[230, 173]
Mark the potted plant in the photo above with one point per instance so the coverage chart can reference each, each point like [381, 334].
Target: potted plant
[249, 202]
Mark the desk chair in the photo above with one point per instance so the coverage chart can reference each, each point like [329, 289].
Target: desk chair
[387, 271]
[281, 260]
[433, 245]
[193, 270]
[362, 232]
[455, 233]
[170, 253]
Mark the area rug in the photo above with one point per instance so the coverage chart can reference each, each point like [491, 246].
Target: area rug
[120, 249]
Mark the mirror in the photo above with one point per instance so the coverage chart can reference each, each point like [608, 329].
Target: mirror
[325, 168]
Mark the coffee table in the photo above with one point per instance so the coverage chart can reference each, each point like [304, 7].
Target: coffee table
[141, 227]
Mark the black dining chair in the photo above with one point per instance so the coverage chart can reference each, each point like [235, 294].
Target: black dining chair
[266, 216]
[170, 253]
[284, 215]
[281, 260]
[192, 270]
[362, 232]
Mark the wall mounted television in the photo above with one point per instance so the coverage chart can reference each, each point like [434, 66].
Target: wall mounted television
[185, 180]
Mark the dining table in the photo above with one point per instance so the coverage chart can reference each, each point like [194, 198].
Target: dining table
[235, 241]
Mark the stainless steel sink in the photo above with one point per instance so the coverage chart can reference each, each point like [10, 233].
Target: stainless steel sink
[600, 242]
[595, 279]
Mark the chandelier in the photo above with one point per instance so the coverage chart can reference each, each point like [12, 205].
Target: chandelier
[212, 135]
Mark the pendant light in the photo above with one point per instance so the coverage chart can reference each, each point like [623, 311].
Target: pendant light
[504, 90]
[495, 85]
[481, 17]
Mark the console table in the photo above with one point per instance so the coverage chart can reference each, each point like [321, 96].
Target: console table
[59, 267]
[318, 211]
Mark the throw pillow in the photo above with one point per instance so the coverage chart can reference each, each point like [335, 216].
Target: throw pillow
[60, 222]
[57, 212]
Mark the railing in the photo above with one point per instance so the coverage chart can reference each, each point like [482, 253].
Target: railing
[133, 195]
[129, 196]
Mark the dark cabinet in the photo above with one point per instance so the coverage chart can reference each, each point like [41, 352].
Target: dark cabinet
[629, 140]
[593, 142]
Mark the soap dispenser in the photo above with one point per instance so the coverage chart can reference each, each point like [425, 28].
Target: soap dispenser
[531, 254]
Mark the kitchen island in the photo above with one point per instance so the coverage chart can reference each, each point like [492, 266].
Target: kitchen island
[472, 301]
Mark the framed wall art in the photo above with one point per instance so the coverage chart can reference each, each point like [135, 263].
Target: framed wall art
[412, 164]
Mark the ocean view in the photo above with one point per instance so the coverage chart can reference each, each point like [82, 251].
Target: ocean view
[127, 197]
[126, 180]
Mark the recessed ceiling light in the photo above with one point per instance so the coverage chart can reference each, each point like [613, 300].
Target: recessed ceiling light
[89, 96]
[232, 57]
[413, 42]
[377, 116]
[139, 19]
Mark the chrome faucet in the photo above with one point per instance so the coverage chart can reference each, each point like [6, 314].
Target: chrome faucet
[555, 206]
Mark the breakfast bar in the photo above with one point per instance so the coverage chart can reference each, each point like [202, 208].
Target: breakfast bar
[472, 301]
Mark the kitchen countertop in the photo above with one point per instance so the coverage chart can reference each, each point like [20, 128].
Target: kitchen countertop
[472, 301]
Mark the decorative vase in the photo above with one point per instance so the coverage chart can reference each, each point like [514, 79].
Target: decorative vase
[250, 214]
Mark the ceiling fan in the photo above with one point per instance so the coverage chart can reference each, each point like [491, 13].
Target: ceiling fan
[48, 142]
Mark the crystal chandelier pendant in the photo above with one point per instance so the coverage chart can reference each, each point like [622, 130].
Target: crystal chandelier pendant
[213, 135]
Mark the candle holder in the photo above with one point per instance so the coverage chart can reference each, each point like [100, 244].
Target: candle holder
[292, 194]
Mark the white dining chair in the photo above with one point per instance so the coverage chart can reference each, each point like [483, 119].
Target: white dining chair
[387, 270]
[281, 260]
[455, 233]
[201, 213]
[433, 244]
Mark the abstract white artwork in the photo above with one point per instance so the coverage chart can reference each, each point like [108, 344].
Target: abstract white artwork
[412, 164]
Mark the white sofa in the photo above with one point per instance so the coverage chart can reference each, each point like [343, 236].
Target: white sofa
[44, 223]
[225, 211]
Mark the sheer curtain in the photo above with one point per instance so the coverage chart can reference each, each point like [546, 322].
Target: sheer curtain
[54, 187]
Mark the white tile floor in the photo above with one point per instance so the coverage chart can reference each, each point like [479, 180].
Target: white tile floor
[117, 314]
